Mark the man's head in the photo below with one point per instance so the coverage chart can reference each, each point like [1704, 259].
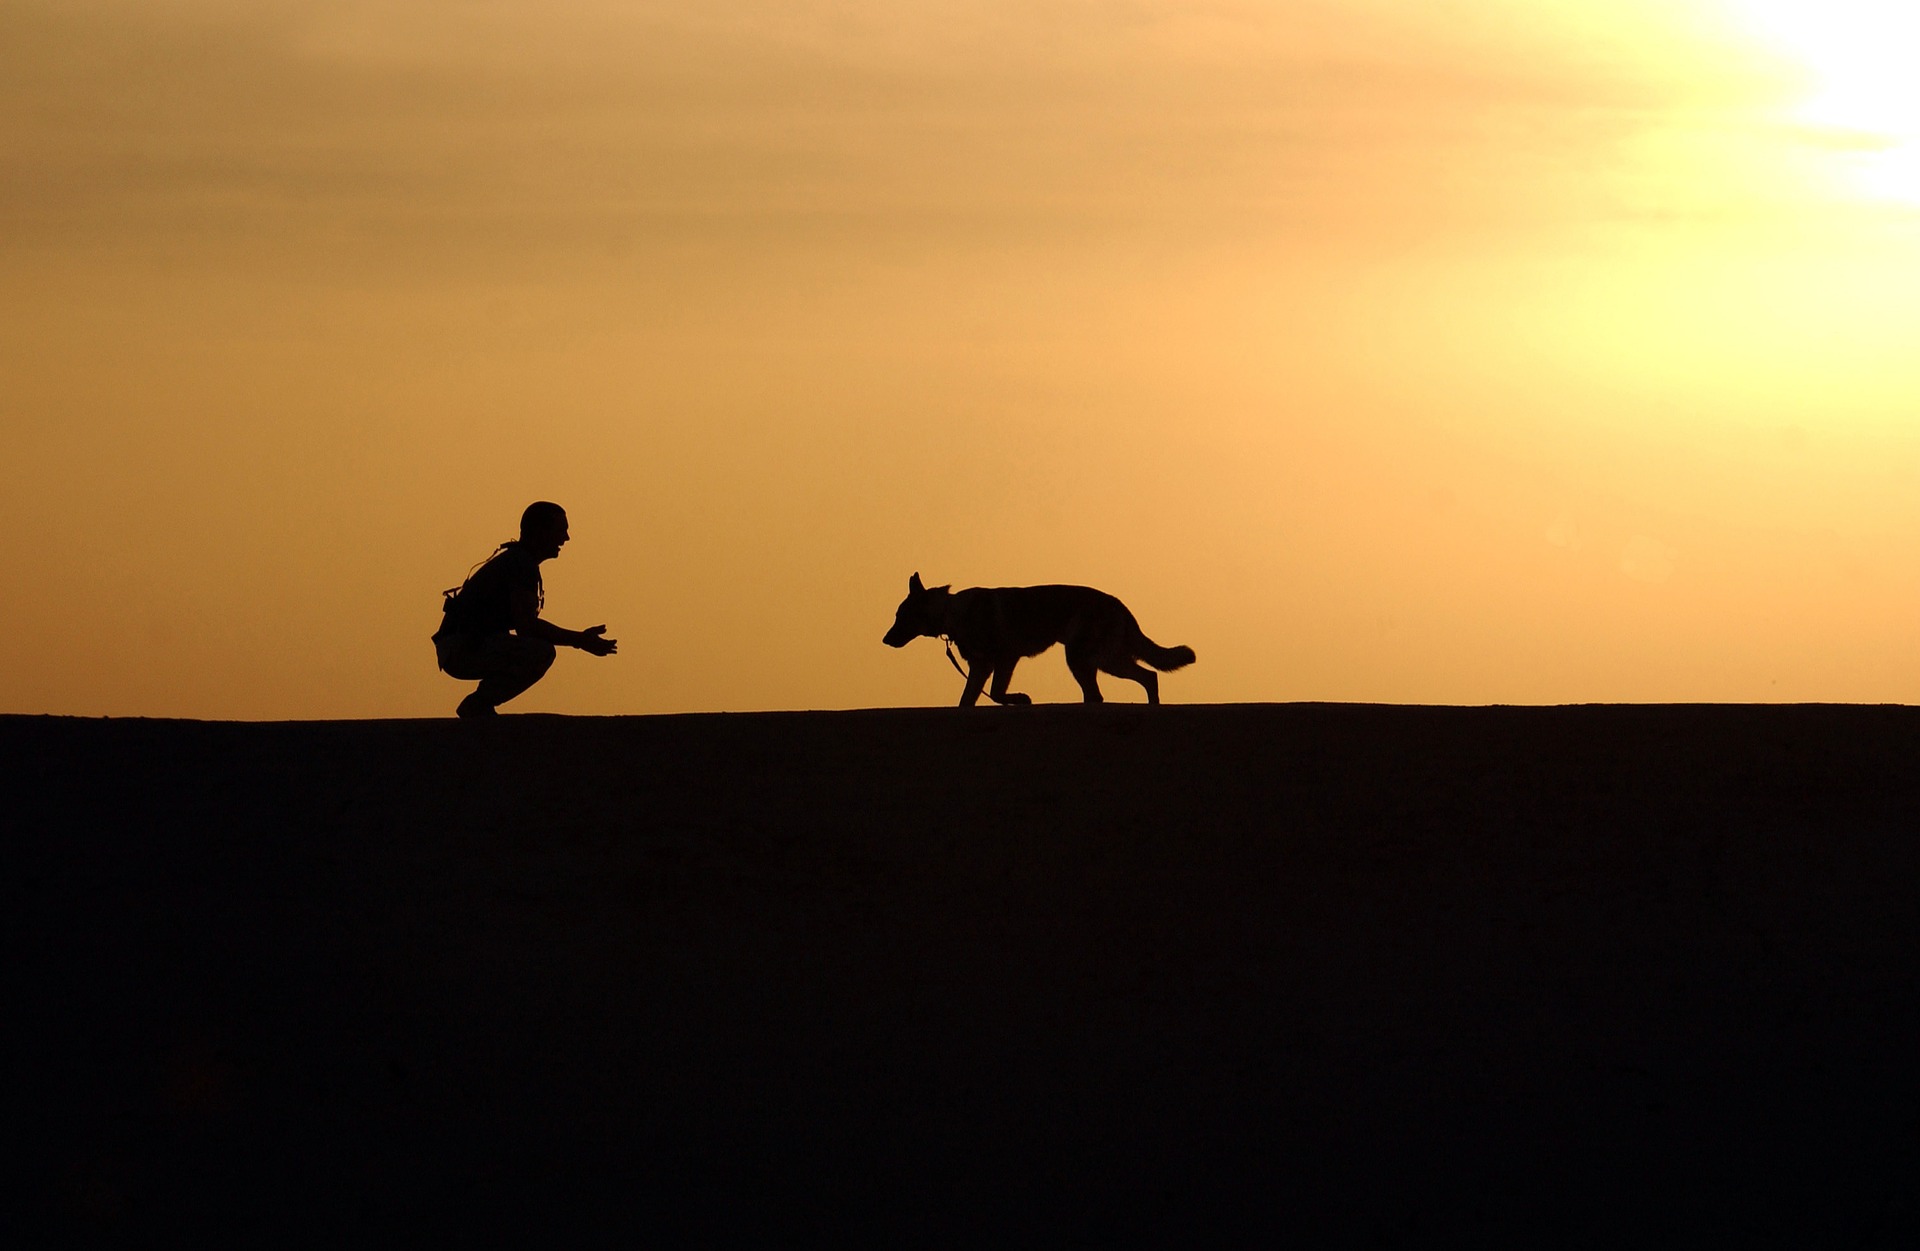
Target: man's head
[543, 529]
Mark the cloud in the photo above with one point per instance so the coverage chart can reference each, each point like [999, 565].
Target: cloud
[130, 115]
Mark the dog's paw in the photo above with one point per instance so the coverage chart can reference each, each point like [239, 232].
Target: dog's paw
[1015, 699]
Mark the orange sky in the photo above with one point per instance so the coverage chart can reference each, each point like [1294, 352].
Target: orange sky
[1501, 351]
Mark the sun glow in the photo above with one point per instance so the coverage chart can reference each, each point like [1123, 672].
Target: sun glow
[1862, 94]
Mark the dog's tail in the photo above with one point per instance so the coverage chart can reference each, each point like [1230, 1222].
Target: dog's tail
[1165, 659]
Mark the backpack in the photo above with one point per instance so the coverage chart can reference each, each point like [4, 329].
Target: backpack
[453, 614]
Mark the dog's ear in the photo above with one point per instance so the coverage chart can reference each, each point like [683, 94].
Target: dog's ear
[913, 584]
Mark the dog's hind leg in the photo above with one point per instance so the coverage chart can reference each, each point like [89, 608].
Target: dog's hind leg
[1086, 671]
[997, 690]
[1134, 671]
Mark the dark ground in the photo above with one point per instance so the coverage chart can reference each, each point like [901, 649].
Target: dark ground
[1051, 976]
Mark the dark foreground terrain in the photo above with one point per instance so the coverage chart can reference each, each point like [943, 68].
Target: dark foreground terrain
[1057, 976]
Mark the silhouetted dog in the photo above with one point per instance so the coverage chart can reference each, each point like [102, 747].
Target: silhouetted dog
[994, 626]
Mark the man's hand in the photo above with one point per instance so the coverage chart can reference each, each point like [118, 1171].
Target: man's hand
[593, 640]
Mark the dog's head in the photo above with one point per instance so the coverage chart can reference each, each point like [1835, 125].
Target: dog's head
[923, 611]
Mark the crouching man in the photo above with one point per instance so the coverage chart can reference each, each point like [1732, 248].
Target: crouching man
[491, 631]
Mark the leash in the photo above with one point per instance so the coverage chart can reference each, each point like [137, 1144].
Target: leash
[953, 660]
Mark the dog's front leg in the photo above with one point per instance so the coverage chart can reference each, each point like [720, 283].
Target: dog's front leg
[976, 679]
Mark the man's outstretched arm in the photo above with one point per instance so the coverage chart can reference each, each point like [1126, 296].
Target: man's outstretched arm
[527, 624]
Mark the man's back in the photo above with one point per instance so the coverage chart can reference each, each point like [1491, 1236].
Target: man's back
[484, 604]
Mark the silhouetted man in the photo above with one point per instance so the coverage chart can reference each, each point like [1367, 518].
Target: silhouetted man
[492, 632]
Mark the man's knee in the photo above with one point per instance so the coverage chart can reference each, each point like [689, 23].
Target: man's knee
[539, 656]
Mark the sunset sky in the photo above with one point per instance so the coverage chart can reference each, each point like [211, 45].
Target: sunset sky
[1488, 351]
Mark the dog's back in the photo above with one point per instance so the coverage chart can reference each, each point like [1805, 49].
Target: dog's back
[1023, 621]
